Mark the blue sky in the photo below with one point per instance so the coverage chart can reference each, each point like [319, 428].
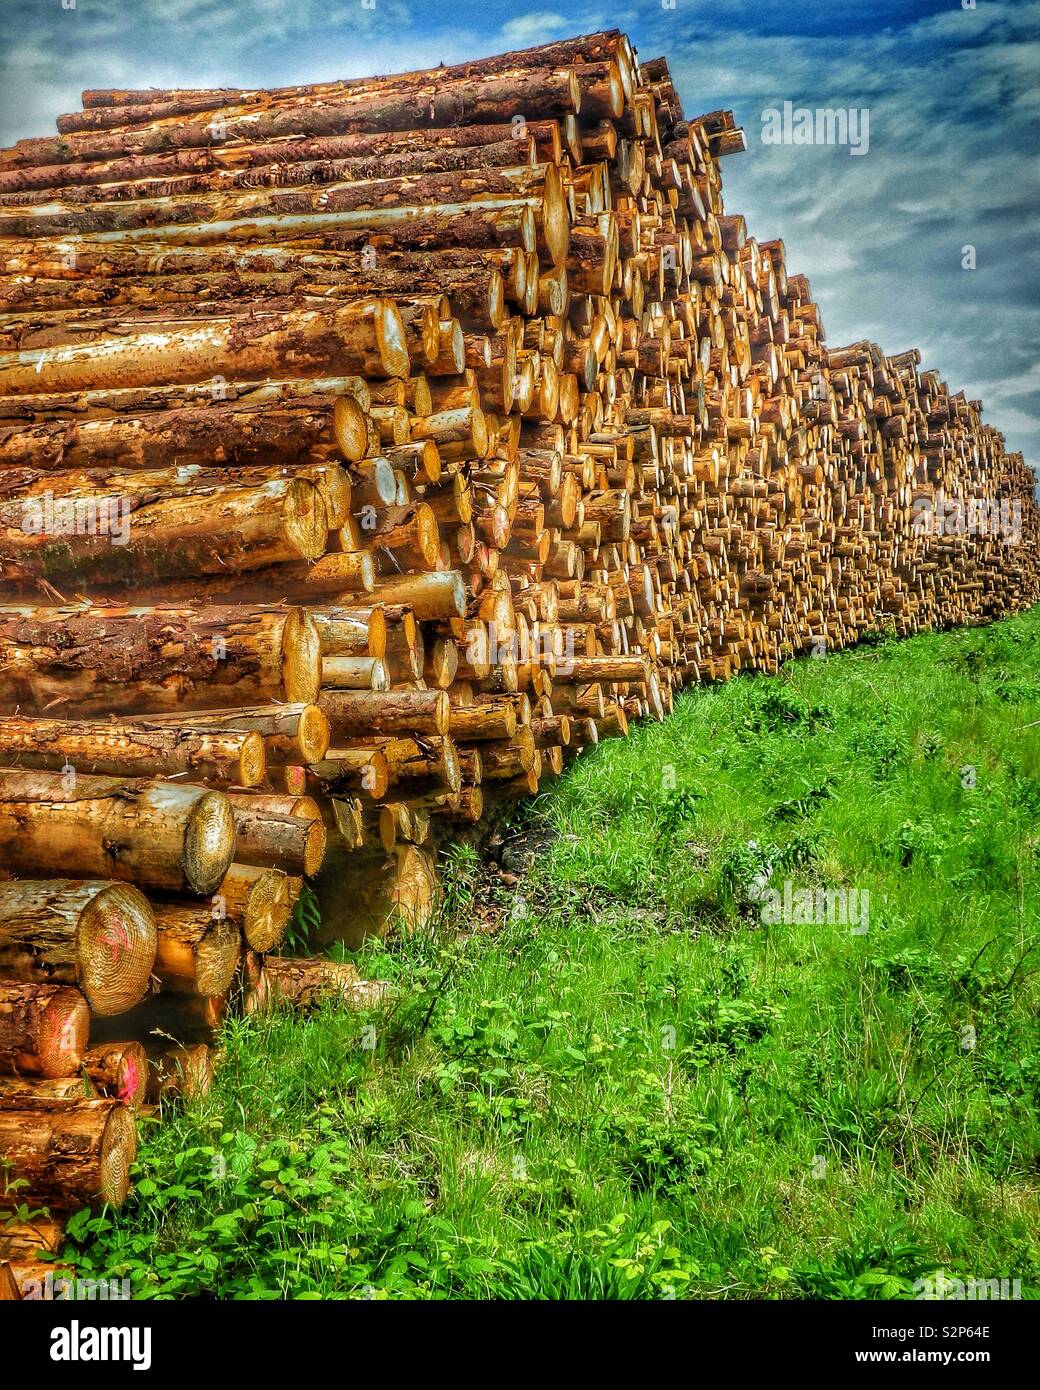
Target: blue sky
[954, 156]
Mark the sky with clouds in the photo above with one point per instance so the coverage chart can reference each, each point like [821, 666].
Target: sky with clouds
[952, 89]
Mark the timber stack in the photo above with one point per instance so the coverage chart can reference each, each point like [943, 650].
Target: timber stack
[368, 449]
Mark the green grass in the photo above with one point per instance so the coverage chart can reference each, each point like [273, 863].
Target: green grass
[636, 1088]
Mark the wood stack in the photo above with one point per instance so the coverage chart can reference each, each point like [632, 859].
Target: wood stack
[369, 448]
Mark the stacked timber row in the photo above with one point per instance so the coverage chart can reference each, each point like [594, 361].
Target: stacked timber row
[366, 450]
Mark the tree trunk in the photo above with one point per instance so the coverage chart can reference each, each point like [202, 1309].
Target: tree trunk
[70, 1153]
[155, 834]
[100, 936]
[99, 660]
[363, 712]
[43, 1029]
[308, 982]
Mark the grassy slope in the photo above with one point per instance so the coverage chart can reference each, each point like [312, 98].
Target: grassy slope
[635, 1088]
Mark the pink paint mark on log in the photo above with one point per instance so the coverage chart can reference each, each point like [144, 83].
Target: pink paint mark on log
[117, 937]
[131, 1080]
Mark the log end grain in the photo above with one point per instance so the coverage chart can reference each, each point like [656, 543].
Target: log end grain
[209, 843]
[116, 943]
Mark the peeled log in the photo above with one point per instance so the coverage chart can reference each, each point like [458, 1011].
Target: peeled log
[70, 1153]
[131, 750]
[155, 834]
[95, 659]
[367, 337]
[98, 935]
[43, 1029]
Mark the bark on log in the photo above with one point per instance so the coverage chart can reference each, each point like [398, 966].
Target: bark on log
[43, 1029]
[367, 337]
[130, 749]
[70, 1153]
[94, 659]
[155, 834]
[118, 1070]
[197, 950]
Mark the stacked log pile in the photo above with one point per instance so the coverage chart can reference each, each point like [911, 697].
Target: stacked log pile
[368, 449]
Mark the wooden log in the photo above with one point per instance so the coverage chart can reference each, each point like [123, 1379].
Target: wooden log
[211, 432]
[278, 832]
[180, 1073]
[43, 1029]
[361, 712]
[309, 982]
[22, 1240]
[366, 337]
[155, 529]
[130, 749]
[68, 1153]
[93, 659]
[98, 935]
[198, 949]
[118, 1070]
[258, 901]
[290, 733]
[156, 834]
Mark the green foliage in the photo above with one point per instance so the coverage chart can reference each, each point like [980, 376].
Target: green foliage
[304, 923]
[637, 1088]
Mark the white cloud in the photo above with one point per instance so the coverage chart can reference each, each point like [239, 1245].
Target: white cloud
[531, 29]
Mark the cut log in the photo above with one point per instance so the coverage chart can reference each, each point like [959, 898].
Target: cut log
[180, 1073]
[43, 1029]
[156, 834]
[98, 935]
[132, 750]
[308, 982]
[68, 1153]
[198, 950]
[101, 659]
[118, 1070]
[278, 832]
[259, 902]
[366, 337]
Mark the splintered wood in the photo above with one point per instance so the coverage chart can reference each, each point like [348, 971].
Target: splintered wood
[367, 450]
